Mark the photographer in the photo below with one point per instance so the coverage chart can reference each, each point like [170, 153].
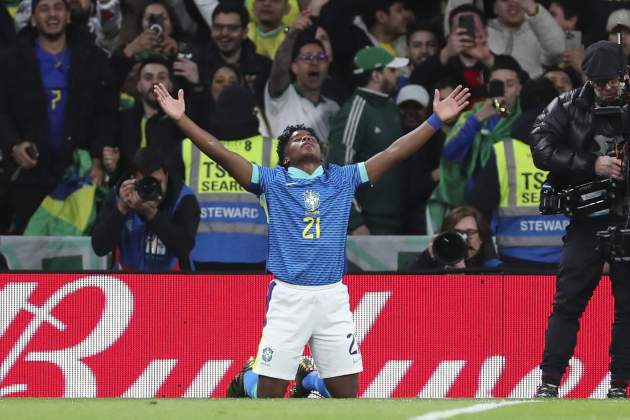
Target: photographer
[478, 250]
[574, 144]
[155, 216]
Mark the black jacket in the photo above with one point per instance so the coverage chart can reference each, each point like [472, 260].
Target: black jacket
[177, 232]
[563, 138]
[249, 63]
[90, 118]
[161, 132]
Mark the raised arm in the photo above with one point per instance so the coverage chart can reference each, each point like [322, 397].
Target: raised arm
[236, 165]
[411, 142]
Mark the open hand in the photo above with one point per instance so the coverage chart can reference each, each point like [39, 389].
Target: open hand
[172, 107]
[452, 105]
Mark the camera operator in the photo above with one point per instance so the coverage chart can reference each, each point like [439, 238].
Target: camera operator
[151, 221]
[573, 143]
[475, 248]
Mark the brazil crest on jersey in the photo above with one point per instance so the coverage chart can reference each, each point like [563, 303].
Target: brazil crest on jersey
[308, 220]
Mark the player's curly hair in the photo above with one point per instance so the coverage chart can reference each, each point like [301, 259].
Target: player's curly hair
[283, 140]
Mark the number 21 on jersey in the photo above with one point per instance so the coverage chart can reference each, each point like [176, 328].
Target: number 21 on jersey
[311, 229]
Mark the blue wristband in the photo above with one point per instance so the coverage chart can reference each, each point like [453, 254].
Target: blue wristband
[434, 122]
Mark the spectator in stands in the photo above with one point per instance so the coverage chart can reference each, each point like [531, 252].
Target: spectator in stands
[160, 35]
[469, 143]
[507, 192]
[598, 13]
[383, 23]
[232, 46]
[366, 125]
[413, 102]
[619, 22]
[267, 30]
[101, 18]
[151, 221]
[560, 78]
[422, 43]
[566, 14]
[525, 30]
[469, 222]
[226, 242]
[7, 31]
[56, 96]
[462, 58]
[144, 125]
[287, 103]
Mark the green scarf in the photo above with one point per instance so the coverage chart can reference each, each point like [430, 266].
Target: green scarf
[454, 176]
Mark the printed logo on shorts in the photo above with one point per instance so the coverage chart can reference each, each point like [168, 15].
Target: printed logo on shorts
[267, 354]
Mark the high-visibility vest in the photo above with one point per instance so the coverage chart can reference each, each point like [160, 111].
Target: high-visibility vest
[521, 231]
[233, 226]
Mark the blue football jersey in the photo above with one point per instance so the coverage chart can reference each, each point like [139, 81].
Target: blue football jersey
[308, 220]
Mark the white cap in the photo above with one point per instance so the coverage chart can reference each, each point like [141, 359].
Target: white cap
[618, 17]
[414, 93]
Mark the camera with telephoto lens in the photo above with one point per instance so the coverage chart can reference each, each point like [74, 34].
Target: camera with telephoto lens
[149, 189]
[450, 247]
[156, 23]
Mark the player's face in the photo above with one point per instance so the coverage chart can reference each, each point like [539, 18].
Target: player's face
[51, 17]
[151, 75]
[468, 225]
[301, 147]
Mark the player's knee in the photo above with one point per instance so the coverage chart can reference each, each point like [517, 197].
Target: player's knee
[271, 387]
[343, 386]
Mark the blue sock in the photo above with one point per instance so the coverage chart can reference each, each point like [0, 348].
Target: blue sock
[313, 382]
[250, 382]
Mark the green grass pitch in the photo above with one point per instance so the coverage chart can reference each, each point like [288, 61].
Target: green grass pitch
[316, 409]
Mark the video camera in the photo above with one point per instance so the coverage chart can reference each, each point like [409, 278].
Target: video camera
[603, 195]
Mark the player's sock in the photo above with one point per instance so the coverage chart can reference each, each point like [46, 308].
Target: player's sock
[313, 382]
[250, 383]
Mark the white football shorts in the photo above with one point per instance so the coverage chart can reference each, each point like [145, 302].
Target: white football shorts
[317, 315]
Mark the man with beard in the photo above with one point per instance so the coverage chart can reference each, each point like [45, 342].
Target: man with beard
[102, 20]
[287, 103]
[56, 96]
[232, 46]
[144, 125]
[367, 124]
[576, 146]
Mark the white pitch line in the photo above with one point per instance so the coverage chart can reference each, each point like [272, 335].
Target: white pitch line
[437, 415]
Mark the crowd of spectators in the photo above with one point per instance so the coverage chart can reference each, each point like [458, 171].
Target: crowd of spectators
[79, 74]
